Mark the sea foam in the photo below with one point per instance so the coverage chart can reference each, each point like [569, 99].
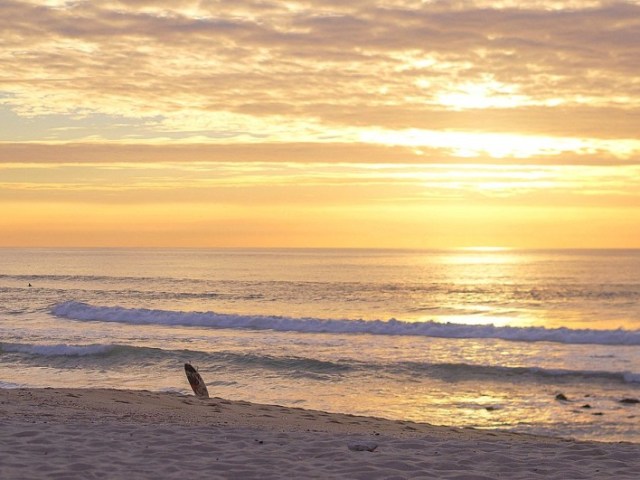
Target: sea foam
[60, 349]
[138, 316]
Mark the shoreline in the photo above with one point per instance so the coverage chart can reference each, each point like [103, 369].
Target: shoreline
[106, 433]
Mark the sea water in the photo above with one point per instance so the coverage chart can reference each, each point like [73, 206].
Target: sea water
[471, 338]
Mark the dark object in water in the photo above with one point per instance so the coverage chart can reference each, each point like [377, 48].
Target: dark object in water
[196, 381]
[586, 405]
[630, 401]
[561, 397]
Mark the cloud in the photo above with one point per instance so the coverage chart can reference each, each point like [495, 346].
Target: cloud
[392, 147]
[314, 183]
[305, 71]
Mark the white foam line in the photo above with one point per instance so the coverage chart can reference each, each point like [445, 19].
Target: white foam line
[85, 312]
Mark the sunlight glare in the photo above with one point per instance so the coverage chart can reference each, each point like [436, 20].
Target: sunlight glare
[499, 145]
[487, 94]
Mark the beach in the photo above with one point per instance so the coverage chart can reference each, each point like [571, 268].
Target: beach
[486, 340]
[393, 240]
[106, 433]
[432, 364]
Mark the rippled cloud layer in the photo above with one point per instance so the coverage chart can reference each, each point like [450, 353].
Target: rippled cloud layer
[402, 73]
[416, 123]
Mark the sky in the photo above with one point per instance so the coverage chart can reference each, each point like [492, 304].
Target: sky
[328, 123]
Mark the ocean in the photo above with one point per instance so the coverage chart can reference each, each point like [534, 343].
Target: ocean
[482, 338]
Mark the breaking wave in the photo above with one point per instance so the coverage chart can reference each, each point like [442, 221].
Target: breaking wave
[138, 316]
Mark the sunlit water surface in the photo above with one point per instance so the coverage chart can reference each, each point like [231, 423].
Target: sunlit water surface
[357, 331]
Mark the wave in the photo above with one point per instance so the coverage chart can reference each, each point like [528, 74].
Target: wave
[55, 350]
[83, 278]
[139, 316]
[136, 355]
[105, 355]
[463, 371]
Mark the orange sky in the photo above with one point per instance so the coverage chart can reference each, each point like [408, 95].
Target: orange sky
[400, 123]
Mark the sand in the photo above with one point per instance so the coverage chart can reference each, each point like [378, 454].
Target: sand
[87, 433]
